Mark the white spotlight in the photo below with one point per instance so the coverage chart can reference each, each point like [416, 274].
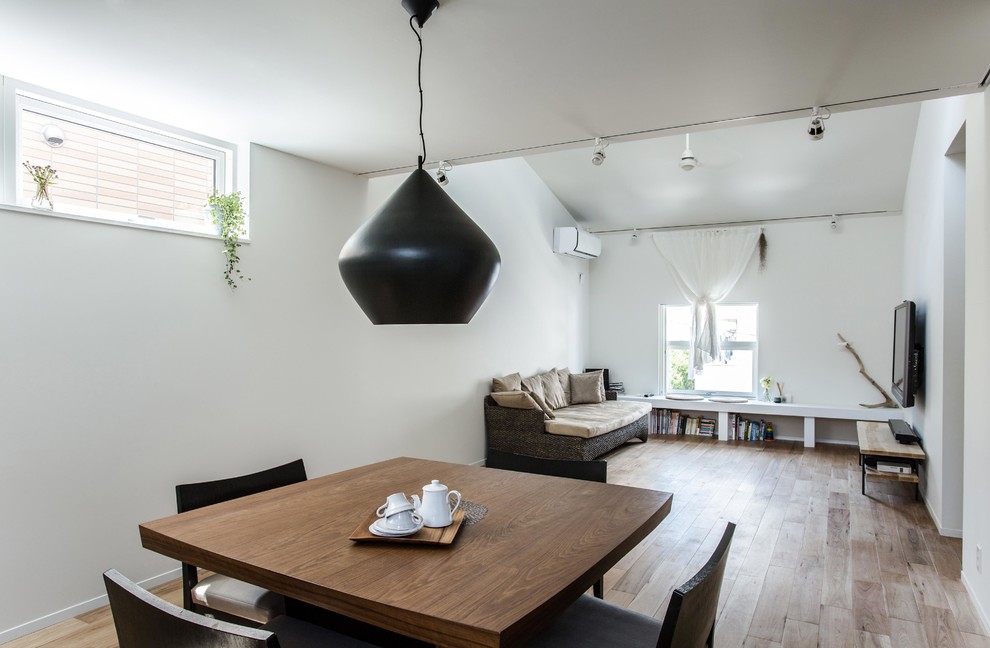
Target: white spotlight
[442, 172]
[599, 155]
[688, 161]
[816, 129]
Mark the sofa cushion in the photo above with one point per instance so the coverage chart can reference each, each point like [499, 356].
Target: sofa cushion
[533, 385]
[591, 420]
[587, 388]
[553, 393]
[515, 399]
[564, 376]
[543, 405]
[512, 382]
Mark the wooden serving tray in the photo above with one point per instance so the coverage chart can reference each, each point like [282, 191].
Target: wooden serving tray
[426, 535]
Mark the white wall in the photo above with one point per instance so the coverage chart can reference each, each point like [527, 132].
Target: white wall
[976, 479]
[129, 366]
[933, 280]
[818, 282]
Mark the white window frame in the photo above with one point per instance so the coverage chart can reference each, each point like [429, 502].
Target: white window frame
[725, 346]
[18, 96]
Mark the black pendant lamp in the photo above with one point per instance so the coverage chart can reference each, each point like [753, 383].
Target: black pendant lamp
[420, 259]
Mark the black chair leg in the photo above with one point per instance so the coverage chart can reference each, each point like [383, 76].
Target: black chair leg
[599, 588]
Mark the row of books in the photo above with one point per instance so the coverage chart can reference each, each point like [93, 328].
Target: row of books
[617, 387]
[742, 429]
[665, 421]
[674, 422]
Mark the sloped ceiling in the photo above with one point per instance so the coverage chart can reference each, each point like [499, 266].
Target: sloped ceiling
[334, 81]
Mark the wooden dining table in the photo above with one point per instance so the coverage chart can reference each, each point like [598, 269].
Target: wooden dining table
[542, 542]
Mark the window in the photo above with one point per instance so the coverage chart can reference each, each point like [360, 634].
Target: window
[733, 372]
[111, 168]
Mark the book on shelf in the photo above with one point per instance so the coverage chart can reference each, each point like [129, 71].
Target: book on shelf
[677, 422]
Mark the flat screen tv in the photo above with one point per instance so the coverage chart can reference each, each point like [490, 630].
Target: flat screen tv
[906, 371]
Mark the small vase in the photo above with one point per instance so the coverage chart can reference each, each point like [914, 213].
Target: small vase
[42, 200]
[766, 395]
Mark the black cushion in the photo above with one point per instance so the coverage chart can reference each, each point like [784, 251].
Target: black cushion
[293, 633]
[593, 623]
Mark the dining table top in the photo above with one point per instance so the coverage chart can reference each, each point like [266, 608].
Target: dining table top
[542, 542]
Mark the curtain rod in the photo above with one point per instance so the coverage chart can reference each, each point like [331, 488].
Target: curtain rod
[766, 221]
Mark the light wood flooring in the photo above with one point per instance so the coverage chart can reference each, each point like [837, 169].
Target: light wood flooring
[813, 562]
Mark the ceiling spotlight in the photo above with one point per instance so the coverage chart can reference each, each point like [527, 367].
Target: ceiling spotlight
[53, 136]
[442, 172]
[599, 155]
[816, 129]
[688, 161]
[835, 222]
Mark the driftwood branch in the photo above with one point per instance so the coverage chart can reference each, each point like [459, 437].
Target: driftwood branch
[887, 400]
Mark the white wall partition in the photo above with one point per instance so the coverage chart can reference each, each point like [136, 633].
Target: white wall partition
[932, 258]
[976, 480]
[129, 366]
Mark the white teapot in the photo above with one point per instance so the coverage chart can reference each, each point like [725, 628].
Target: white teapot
[435, 507]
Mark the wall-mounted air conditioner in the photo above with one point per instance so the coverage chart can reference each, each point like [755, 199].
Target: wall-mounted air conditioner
[576, 242]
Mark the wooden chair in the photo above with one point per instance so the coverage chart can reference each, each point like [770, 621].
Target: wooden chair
[689, 622]
[145, 621]
[221, 596]
[595, 470]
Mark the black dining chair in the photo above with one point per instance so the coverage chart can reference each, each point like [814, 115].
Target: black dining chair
[221, 596]
[143, 620]
[594, 470]
[688, 623]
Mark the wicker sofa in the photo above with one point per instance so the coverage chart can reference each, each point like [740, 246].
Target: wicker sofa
[523, 431]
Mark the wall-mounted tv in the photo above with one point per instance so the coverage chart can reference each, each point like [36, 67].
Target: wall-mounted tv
[906, 372]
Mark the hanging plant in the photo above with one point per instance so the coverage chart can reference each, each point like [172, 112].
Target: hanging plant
[228, 216]
[763, 250]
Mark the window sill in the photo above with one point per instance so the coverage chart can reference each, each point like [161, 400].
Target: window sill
[152, 224]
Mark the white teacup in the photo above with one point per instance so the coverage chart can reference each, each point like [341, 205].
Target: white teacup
[396, 503]
[403, 520]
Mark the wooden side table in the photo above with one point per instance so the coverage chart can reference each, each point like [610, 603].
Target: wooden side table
[877, 442]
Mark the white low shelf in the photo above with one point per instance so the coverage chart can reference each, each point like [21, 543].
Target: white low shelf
[808, 412]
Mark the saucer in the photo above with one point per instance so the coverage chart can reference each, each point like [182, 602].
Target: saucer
[379, 528]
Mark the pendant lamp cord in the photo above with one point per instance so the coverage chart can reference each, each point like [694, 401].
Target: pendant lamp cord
[419, 80]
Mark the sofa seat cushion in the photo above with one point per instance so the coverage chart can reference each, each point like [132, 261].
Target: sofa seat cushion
[591, 420]
[238, 598]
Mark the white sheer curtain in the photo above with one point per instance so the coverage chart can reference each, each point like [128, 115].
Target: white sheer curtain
[706, 264]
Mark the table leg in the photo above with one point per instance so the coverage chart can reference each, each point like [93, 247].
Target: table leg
[862, 463]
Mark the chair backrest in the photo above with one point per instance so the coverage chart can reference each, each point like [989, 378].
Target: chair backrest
[145, 621]
[575, 469]
[198, 495]
[690, 619]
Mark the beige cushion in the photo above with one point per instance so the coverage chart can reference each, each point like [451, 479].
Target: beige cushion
[515, 400]
[564, 376]
[238, 598]
[543, 405]
[591, 420]
[553, 393]
[512, 382]
[587, 387]
[533, 385]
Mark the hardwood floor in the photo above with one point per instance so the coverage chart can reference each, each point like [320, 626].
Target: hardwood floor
[813, 562]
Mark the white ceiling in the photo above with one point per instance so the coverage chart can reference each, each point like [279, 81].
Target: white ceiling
[755, 172]
[335, 81]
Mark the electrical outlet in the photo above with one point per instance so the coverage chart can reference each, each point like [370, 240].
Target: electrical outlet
[979, 559]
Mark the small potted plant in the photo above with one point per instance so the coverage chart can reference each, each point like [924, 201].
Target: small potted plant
[228, 216]
[44, 178]
[766, 382]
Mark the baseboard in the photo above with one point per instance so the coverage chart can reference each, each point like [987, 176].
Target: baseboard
[79, 608]
[479, 462]
[950, 533]
[980, 612]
